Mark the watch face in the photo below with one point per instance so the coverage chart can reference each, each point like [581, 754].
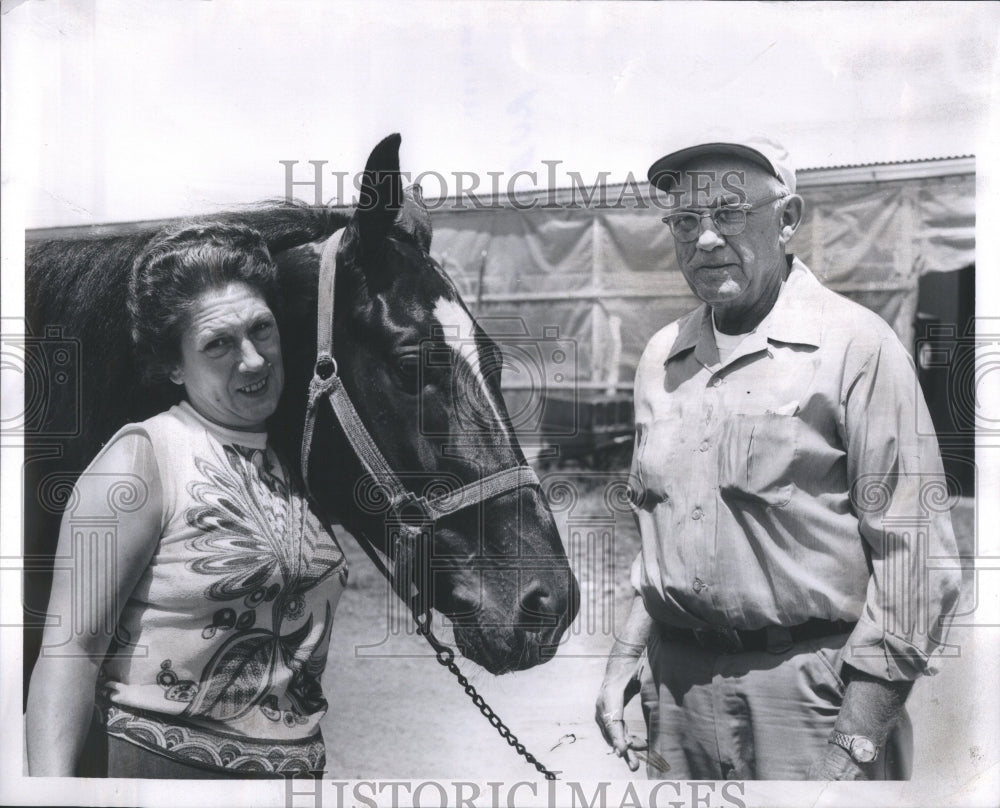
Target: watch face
[863, 750]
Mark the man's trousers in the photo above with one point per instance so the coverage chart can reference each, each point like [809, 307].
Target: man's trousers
[754, 715]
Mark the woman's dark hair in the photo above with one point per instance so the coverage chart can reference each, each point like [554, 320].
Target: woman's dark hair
[175, 269]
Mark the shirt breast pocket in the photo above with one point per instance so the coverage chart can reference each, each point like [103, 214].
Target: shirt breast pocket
[757, 456]
[657, 461]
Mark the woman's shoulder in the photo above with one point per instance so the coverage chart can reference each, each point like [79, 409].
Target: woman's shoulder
[136, 445]
[125, 474]
[130, 449]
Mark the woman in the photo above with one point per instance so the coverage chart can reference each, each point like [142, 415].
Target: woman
[209, 604]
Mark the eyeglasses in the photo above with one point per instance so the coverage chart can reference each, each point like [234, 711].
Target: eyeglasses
[729, 220]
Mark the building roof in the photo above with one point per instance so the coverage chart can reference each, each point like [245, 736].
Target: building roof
[947, 158]
[923, 168]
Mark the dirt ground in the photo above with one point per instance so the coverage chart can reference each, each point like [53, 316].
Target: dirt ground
[396, 713]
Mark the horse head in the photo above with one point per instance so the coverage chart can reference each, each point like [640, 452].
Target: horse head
[424, 380]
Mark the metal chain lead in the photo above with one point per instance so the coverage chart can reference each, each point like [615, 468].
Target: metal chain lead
[446, 657]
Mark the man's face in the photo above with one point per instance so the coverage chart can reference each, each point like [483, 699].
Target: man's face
[730, 272]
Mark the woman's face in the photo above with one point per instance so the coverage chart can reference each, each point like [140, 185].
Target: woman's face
[231, 358]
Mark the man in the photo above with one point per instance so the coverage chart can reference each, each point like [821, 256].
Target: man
[781, 493]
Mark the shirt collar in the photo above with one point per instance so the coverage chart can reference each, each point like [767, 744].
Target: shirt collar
[795, 318]
[239, 437]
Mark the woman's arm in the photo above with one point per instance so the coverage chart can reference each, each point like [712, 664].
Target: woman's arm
[101, 564]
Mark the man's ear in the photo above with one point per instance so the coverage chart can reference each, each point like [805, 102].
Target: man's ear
[791, 217]
[176, 376]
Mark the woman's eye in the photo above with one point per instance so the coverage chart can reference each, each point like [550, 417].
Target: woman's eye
[216, 347]
[263, 330]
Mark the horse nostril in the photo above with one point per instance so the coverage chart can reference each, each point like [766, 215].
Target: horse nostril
[538, 608]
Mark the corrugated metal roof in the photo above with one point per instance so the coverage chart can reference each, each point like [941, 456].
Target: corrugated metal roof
[891, 162]
[923, 168]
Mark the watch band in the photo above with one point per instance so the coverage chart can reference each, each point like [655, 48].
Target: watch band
[861, 748]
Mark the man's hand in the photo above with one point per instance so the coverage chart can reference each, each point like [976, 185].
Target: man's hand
[621, 683]
[835, 764]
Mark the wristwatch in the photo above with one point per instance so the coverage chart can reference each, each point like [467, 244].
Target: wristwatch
[860, 748]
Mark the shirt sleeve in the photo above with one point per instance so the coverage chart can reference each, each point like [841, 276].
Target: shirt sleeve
[900, 495]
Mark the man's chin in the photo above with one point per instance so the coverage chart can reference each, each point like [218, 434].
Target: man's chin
[721, 294]
[716, 284]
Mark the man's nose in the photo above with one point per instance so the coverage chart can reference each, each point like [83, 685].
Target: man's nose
[250, 359]
[709, 238]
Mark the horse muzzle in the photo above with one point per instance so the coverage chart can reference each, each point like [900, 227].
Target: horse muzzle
[505, 633]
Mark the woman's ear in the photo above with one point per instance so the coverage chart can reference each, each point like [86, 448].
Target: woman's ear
[791, 218]
[176, 376]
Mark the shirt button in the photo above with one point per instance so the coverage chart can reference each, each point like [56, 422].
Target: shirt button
[697, 584]
[696, 513]
[716, 381]
[704, 446]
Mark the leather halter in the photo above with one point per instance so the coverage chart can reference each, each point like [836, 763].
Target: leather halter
[404, 504]
[410, 541]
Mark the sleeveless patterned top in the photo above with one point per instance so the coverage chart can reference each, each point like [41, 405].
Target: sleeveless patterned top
[220, 648]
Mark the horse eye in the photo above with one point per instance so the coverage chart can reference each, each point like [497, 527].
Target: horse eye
[408, 368]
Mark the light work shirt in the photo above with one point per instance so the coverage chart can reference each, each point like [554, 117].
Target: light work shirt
[790, 482]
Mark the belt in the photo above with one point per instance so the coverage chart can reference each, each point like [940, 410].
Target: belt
[774, 639]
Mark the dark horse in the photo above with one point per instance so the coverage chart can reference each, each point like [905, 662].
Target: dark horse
[424, 378]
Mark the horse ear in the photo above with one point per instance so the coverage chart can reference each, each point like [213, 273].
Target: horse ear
[381, 195]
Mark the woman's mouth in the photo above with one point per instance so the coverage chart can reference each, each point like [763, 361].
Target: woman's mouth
[254, 388]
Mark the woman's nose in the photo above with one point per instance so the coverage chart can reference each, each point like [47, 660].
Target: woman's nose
[250, 359]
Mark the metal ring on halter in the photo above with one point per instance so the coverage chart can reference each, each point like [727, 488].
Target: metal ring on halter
[326, 366]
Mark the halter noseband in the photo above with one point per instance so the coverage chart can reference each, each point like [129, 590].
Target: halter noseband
[405, 505]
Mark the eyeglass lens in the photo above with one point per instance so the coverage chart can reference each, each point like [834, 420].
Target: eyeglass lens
[687, 226]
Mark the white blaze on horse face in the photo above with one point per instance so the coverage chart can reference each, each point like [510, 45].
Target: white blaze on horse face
[459, 332]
